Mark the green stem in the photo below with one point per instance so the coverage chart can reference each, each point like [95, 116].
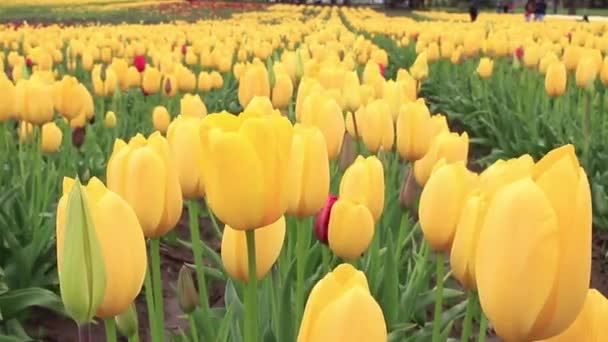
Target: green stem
[193, 330]
[216, 227]
[135, 337]
[483, 327]
[251, 304]
[158, 286]
[301, 245]
[197, 250]
[468, 317]
[150, 303]
[587, 130]
[110, 330]
[438, 298]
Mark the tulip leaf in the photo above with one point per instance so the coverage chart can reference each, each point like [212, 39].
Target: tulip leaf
[224, 329]
[390, 288]
[82, 280]
[14, 301]
[286, 312]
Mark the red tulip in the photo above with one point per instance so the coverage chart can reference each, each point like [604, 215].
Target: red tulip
[184, 49]
[519, 53]
[139, 62]
[322, 219]
[28, 62]
[382, 68]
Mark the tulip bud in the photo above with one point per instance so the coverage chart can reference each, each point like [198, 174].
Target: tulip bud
[51, 137]
[337, 305]
[268, 240]
[161, 119]
[484, 69]
[169, 85]
[282, 91]
[193, 106]
[187, 295]
[217, 82]
[205, 83]
[151, 81]
[414, 130]
[451, 146]
[139, 62]
[555, 79]
[320, 110]
[420, 68]
[127, 322]
[34, 102]
[363, 182]
[322, 219]
[409, 189]
[110, 120]
[78, 136]
[585, 72]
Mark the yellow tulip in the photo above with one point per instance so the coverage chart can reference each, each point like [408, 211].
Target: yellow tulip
[186, 80]
[320, 110]
[282, 91]
[306, 87]
[393, 96]
[205, 83]
[547, 60]
[485, 68]
[420, 68]
[367, 94]
[121, 68]
[555, 79]
[380, 57]
[51, 137]
[603, 75]
[110, 120]
[69, 97]
[87, 61]
[120, 239]
[446, 191]
[375, 126]
[268, 241]
[151, 80]
[532, 56]
[363, 182]
[341, 308]
[432, 51]
[217, 82]
[350, 92]
[253, 82]
[144, 174]
[350, 229]
[104, 80]
[456, 57]
[169, 85]
[185, 146]
[462, 255]
[571, 57]
[34, 102]
[7, 99]
[245, 160]
[308, 175]
[585, 72]
[590, 324]
[414, 130]
[542, 224]
[161, 119]
[451, 146]
[261, 105]
[192, 105]
[133, 77]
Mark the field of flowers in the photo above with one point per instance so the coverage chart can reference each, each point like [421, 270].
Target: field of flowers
[301, 173]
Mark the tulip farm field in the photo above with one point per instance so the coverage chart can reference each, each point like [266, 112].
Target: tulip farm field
[198, 171]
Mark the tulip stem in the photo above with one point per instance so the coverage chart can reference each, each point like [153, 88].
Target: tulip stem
[193, 330]
[158, 285]
[195, 237]
[216, 227]
[81, 333]
[438, 298]
[300, 251]
[468, 317]
[251, 303]
[587, 130]
[483, 326]
[151, 307]
[110, 330]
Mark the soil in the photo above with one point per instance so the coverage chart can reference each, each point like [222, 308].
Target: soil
[48, 326]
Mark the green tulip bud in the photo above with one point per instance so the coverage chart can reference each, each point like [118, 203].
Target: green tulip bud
[127, 322]
[186, 291]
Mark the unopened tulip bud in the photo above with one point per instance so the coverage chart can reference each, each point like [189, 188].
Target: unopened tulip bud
[110, 120]
[322, 219]
[127, 322]
[409, 189]
[187, 295]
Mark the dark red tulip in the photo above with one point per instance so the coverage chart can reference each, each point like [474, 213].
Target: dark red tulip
[322, 219]
[184, 49]
[139, 62]
[519, 53]
[78, 135]
[29, 62]
[382, 68]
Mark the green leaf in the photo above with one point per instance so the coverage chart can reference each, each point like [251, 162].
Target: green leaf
[224, 329]
[286, 312]
[390, 288]
[82, 280]
[15, 301]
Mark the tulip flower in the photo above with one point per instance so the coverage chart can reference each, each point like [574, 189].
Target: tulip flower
[151, 80]
[133, 78]
[414, 130]
[143, 173]
[282, 91]
[89, 221]
[261, 105]
[253, 82]
[51, 137]
[169, 85]
[321, 110]
[192, 105]
[341, 308]
[306, 87]
[217, 82]
[246, 161]
[603, 75]
[268, 240]
[185, 146]
[363, 182]
[590, 324]
[205, 83]
[393, 96]
[375, 126]
[7, 99]
[537, 232]
[484, 69]
[571, 57]
[161, 119]
[34, 102]
[420, 68]
[585, 72]
[69, 97]
[451, 146]
[555, 79]
[308, 174]
[446, 191]
[350, 92]
[139, 62]
[104, 80]
[110, 120]
[350, 228]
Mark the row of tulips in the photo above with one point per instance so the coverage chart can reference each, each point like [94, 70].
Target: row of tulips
[312, 188]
